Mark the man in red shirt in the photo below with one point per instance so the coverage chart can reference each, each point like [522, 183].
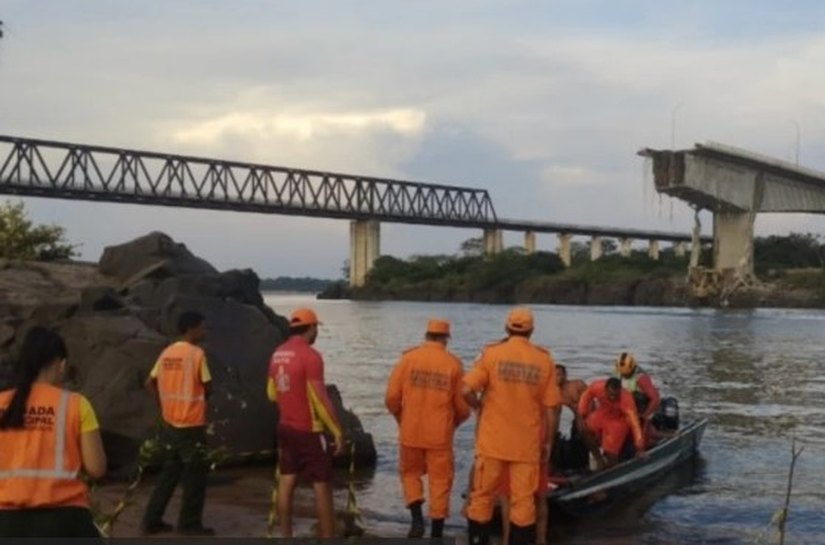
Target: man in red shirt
[615, 414]
[296, 385]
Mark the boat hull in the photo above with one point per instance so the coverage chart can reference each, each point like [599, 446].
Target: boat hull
[602, 491]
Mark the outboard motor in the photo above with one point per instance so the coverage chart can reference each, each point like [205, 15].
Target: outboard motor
[667, 415]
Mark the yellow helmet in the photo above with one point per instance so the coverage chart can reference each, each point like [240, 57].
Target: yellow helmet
[625, 364]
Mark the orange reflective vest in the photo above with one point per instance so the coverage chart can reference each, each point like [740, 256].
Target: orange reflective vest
[40, 463]
[180, 386]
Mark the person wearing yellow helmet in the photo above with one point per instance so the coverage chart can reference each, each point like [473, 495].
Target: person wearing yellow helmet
[640, 385]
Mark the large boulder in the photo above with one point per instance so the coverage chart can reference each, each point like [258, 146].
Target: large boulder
[149, 252]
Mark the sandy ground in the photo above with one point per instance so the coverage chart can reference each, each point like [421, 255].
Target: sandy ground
[237, 504]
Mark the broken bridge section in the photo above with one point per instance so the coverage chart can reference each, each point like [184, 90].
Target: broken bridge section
[735, 185]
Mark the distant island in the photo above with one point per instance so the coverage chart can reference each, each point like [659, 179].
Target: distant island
[303, 284]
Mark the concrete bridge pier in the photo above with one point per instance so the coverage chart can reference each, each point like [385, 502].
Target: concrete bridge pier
[679, 249]
[564, 251]
[733, 241]
[529, 242]
[625, 245]
[365, 247]
[493, 242]
[595, 248]
[653, 250]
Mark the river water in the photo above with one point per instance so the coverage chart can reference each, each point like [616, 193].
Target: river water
[758, 376]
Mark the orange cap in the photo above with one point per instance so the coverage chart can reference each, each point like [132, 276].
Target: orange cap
[303, 316]
[438, 327]
[520, 319]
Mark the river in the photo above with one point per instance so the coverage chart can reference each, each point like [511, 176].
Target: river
[758, 376]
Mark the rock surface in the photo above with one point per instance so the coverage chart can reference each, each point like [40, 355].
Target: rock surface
[118, 317]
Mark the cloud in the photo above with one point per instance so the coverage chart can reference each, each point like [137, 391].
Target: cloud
[304, 127]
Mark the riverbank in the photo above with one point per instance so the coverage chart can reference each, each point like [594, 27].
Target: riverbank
[611, 281]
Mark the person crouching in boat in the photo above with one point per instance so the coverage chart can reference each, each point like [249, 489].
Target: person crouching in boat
[613, 417]
[48, 435]
[644, 393]
[424, 395]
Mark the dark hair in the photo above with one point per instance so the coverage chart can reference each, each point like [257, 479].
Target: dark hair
[299, 329]
[189, 320]
[525, 334]
[435, 336]
[561, 368]
[614, 383]
[41, 347]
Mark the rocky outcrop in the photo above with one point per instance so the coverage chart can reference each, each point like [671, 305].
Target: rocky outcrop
[118, 317]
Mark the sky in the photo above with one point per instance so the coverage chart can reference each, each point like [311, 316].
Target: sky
[542, 103]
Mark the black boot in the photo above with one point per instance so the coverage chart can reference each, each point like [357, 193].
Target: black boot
[437, 529]
[522, 535]
[417, 526]
[478, 532]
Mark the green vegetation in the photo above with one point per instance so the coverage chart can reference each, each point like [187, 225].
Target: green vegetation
[774, 254]
[20, 239]
[289, 283]
[463, 277]
[797, 260]
[511, 275]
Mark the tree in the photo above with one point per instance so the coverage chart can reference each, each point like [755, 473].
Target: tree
[609, 246]
[472, 247]
[20, 239]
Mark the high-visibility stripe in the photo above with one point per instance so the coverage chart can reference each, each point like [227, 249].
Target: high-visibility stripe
[38, 474]
[59, 451]
[182, 397]
[60, 445]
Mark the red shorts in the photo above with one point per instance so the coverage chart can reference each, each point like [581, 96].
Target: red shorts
[542, 488]
[304, 453]
[610, 430]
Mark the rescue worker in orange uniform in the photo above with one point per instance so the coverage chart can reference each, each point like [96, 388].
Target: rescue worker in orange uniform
[424, 396]
[296, 385]
[48, 437]
[181, 381]
[516, 427]
[614, 416]
[641, 387]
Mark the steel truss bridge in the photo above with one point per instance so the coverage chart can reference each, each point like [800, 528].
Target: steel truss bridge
[43, 168]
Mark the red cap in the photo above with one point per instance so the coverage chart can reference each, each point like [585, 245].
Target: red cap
[303, 316]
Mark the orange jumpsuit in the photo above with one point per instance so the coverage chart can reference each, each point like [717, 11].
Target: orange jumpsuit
[611, 420]
[424, 396]
[519, 383]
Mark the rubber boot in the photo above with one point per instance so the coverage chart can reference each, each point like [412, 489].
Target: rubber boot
[478, 533]
[417, 526]
[437, 529]
[522, 535]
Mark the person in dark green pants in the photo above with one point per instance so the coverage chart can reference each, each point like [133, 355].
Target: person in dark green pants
[181, 380]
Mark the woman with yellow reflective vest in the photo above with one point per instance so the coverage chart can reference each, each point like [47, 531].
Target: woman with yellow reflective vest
[48, 436]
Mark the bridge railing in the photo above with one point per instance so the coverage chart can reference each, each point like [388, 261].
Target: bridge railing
[56, 169]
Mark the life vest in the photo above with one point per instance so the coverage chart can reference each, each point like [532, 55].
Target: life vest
[182, 395]
[40, 463]
[631, 384]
